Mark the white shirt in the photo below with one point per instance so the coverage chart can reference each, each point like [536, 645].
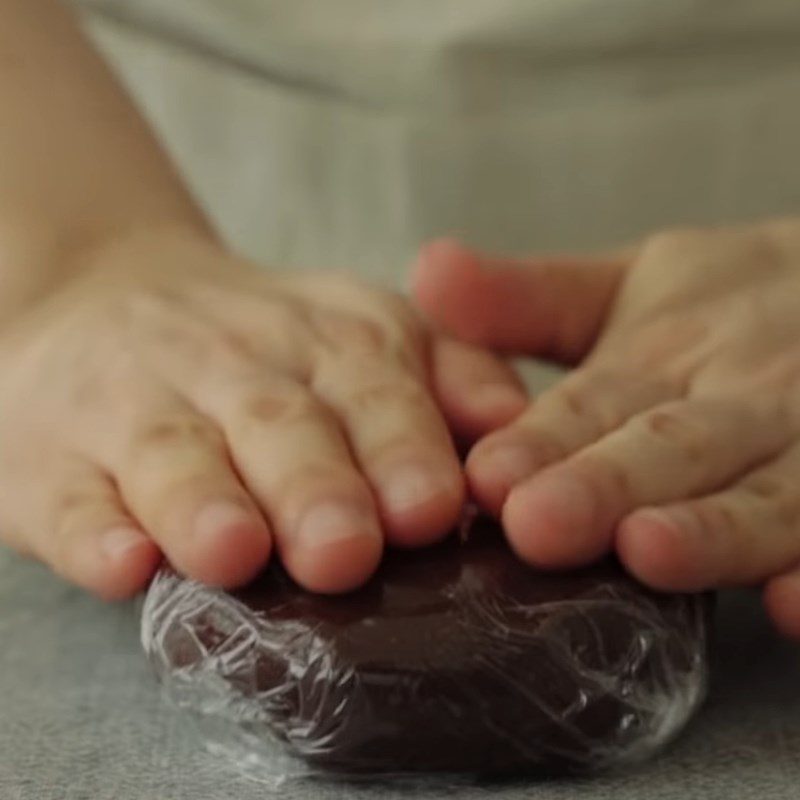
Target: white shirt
[344, 132]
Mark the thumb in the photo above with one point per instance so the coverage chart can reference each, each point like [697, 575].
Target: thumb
[552, 307]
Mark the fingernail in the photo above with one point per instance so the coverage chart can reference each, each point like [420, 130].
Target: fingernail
[118, 541]
[410, 486]
[509, 463]
[217, 517]
[335, 522]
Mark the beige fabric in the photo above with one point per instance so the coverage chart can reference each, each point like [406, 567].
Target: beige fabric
[344, 132]
[82, 718]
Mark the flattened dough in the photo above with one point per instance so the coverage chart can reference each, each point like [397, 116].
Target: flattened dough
[456, 658]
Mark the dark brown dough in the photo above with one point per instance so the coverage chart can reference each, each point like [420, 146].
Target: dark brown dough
[456, 658]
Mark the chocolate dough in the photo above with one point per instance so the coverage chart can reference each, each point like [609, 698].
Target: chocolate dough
[455, 658]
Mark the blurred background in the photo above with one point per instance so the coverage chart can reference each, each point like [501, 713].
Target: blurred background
[344, 133]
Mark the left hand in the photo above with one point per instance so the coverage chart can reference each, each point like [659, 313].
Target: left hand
[676, 441]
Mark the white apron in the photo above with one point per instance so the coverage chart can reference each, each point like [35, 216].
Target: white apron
[343, 133]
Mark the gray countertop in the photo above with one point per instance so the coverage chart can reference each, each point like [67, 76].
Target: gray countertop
[81, 717]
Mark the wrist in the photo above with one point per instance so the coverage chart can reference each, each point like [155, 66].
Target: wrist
[36, 259]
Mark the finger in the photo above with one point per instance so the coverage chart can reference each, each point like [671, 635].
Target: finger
[782, 601]
[294, 458]
[273, 328]
[551, 307]
[287, 448]
[477, 391]
[576, 412]
[90, 538]
[175, 475]
[566, 515]
[400, 441]
[741, 535]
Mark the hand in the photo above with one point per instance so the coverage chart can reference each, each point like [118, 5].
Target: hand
[677, 438]
[173, 398]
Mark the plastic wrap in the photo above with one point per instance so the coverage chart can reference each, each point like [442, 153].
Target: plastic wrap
[455, 660]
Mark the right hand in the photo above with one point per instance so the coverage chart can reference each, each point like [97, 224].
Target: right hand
[174, 399]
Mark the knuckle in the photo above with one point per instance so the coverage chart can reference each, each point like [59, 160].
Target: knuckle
[378, 397]
[540, 440]
[780, 492]
[170, 332]
[76, 501]
[606, 478]
[383, 331]
[234, 345]
[720, 526]
[315, 481]
[727, 535]
[391, 447]
[176, 431]
[679, 430]
[589, 397]
[288, 406]
[575, 398]
[612, 483]
[767, 487]
[716, 518]
[548, 448]
[350, 333]
[586, 407]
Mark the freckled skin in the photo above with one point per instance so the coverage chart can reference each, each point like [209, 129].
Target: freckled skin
[181, 408]
[174, 387]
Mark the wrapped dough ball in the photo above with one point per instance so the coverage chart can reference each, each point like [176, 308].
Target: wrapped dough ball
[454, 659]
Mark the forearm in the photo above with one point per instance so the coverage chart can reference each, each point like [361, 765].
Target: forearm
[78, 164]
